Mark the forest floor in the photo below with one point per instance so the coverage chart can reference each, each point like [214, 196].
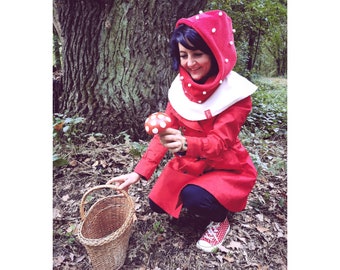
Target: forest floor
[258, 236]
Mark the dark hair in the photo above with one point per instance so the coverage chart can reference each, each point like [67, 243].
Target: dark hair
[184, 34]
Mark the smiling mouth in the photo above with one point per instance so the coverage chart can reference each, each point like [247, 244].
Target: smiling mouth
[194, 70]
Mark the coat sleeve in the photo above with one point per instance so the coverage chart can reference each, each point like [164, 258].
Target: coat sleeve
[151, 158]
[224, 133]
[154, 153]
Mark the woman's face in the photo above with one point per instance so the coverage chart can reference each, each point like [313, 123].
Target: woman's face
[196, 63]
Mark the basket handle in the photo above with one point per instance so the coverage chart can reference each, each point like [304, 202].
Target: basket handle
[82, 203]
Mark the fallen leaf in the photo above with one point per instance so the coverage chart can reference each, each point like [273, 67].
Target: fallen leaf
[262, 229]
[71, 228]
[79, 259]
[58, 260]
[260, 217]
[91, 139]
[242, 239]
[73, 163]
[281, 216]
[223, 249]
[58, 126]
[220, 258]
[234, 244]
[103, 163]
[262, 179]
[229, 259]
[57, 213]
[246, 226]
[137, 206]
[281, 235]
[161, 238]
[145, 218]
[251, 246]
[95, 164]
[260, 267]
[277, 227]
[71, 257]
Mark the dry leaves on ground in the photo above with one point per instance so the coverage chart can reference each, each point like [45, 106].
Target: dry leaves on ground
[258, 237]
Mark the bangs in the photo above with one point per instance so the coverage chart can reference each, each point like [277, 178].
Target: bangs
[189, 38]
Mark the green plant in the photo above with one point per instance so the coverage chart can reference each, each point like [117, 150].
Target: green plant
[282, 202]
[158, 227]
[122, 137]
[137, 149]
[65, 133]
[66, 128]
[146, 240]
[269, 114]
[59, 161]
[70, 233]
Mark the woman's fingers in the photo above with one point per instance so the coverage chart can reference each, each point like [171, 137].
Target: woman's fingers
[124, 181]
[172, 139]
[117, 180]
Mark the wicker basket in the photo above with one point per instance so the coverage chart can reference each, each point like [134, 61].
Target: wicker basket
[106, 228]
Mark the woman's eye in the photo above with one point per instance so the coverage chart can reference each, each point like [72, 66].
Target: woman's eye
[198, 54]
[183, 56]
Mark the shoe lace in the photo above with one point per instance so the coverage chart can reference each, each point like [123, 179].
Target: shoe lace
[211, 232]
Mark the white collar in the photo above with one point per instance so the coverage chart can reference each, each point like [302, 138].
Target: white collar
[233, 89]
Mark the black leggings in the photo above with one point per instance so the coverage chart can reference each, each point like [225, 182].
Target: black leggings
[198, 201]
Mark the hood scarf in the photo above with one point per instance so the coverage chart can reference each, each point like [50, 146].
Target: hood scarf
[215, 28]
[195, 101]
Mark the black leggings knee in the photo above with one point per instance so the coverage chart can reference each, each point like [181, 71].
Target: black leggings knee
[203, 203]
[198, 201]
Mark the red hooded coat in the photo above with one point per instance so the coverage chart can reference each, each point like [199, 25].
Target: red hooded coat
[215, 158]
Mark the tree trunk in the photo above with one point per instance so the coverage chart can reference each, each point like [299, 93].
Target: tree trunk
[116, 67]
[251, 50]
[56, 50]
[281, 59]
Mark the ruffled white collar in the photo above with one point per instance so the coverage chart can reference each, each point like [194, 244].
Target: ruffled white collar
[233, 89]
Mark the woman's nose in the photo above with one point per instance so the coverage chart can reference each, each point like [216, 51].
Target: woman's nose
[191, 62]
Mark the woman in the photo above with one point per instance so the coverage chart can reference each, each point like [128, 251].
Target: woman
[211, 172]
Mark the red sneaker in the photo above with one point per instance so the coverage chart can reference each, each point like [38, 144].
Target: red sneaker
[214, 236]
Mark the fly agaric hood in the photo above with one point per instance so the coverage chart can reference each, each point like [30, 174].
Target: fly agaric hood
[215, 27]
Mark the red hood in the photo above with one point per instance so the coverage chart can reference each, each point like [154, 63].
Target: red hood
[215, 27]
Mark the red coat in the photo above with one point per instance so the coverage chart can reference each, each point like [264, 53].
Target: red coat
[215, 160]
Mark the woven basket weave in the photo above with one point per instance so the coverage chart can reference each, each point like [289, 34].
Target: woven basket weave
[106, 228]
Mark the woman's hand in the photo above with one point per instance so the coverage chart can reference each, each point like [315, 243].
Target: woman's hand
[173, 140]
[125, 180]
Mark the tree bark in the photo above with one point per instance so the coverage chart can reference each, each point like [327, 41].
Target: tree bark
[116, 67]
[251, 50]
[56, 50]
